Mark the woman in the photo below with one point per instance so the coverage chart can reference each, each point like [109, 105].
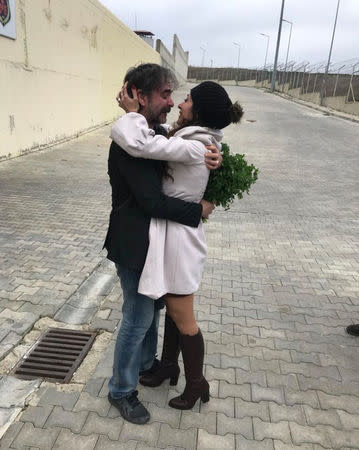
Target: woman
[176, 253]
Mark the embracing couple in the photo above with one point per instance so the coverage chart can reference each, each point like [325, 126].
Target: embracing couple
[155, 237]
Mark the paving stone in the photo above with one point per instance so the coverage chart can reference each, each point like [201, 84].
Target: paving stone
[212, 360]
[147, 433]
[263, 430]
[242, 391]
[227, 349]
[310, 370]
[67, 440]
[29, 436]
[104, 443]
[280, 413]
[349, 421]
[299, 357]
[260, 393]
[37, 415]
[233, 320]
[164, 415]
[103, 426]
[251, 409]
[288, 381]
[103, 324]
[157, 395]
[243, 376]
[208, 441]
[308, 434]
[234, 426]
[269, 354]
[228, 375]
[96, 404]
[293, 397]
[239, 330]
[235, 362]
[261, 342]
[249, 444]
[178, 438]
[224, 405]
[7, 416]
[261, 365]
[226, 338]
[319, 417]
[94, 385]
[11, 432]
[58, 398]
[344, 402]
[66, 419]
[330, 387]
[279, 445]
[340, 439]
[248, 351]
[190, 419]
[270, 333]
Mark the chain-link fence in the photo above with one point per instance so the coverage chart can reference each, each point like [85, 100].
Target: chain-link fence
[339, 88]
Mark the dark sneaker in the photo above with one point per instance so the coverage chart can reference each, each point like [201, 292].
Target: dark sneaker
[353, 329]
[131, 408]
[155, 366]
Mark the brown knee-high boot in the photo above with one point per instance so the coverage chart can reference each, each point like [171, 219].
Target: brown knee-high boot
[196, 385]
[168, 367]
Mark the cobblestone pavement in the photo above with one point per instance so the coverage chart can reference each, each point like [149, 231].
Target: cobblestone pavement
[280, 286]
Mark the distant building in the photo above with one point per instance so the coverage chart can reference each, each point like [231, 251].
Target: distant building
[146, 36]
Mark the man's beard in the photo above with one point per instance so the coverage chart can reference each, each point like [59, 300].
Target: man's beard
[155, 117]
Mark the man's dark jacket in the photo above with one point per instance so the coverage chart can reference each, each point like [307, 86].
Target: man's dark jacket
[136, 197]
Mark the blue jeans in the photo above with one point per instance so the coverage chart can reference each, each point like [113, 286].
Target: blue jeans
[136, 342]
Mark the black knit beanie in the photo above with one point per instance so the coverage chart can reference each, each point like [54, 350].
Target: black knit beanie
[212, 104]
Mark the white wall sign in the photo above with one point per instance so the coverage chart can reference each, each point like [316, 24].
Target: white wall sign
[8, 18]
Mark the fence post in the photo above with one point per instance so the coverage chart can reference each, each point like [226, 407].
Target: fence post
[351, 85]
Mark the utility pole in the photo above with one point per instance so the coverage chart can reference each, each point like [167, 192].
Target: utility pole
[274, 73]
[239, 55]
[322, 91]
[203, 53]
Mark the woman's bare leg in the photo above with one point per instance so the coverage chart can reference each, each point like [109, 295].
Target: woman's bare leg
[180, 309]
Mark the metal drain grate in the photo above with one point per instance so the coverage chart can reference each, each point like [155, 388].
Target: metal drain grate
[56, 356]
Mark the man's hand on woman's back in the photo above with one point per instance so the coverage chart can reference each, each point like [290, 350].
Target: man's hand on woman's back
[207, 208]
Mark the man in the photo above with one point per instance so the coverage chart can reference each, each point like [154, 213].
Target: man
[136, 197]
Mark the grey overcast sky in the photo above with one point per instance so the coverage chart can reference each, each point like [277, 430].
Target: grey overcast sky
[215, 24]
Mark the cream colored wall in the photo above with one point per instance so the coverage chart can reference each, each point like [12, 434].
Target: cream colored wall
[180, 60]
[177, 61]
[60, 76]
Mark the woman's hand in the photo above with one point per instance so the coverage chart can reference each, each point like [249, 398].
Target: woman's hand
[125, 102]
[213, 158]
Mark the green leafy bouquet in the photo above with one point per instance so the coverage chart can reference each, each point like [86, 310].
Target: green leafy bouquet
[231, 180]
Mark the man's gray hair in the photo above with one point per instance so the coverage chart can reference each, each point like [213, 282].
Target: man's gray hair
[150, 77]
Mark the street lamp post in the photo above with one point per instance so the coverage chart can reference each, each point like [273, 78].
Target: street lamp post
[329, 57]
[286, 59]
[239, 55]
[203, 53]
[274, 74]
[265, 59]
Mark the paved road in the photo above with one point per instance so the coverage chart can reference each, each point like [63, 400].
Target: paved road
[280, 285]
